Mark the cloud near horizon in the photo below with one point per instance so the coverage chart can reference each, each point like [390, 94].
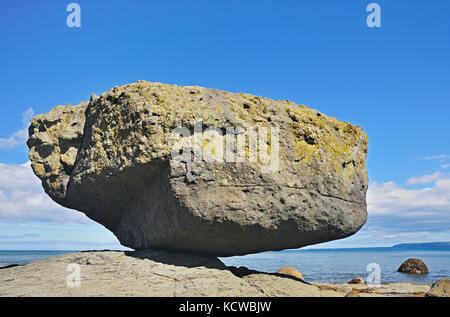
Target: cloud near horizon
[392, 199]
[23, 199]
[398, 214]
[427, 179]
[441, 157]
[19, 137]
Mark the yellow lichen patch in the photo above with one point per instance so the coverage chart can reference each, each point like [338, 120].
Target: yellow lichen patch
[34, 155]
[134, 124]
[251, 110]
[68, 158]
[323, 139]
[53, 164]
[38, 169]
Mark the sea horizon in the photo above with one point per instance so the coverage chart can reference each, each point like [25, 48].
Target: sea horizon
[420, 245]
[317, 265]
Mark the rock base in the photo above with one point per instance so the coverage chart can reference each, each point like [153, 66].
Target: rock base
[162, 274]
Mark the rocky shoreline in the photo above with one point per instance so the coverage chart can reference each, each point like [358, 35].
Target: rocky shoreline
[162, 274]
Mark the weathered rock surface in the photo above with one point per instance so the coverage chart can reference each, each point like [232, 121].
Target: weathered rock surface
[141, 273]
[383, 290]
[413, 266]
[290, 271]
[440, 289]
[158, 274]
[110, 158]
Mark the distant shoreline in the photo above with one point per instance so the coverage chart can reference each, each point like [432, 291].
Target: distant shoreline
[317, 265]
[425, 245]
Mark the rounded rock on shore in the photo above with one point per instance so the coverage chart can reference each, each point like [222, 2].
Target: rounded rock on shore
[356, 280]
[291, 271]
[413, 266]
[440, 288]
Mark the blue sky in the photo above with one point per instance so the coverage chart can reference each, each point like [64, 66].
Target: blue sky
[394, 81]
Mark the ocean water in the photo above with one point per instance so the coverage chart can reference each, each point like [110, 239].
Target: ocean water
[316, 266]
[341, 265]
[8, 257]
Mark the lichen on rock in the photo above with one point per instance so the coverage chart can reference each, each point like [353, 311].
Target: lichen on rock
[111, 158]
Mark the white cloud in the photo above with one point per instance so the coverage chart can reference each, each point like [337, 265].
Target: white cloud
[402, 235]
[426, 179]
[392, 199]
[20, 136]
[445, 166]
[18, 236]
[441, 157]
[23, 199]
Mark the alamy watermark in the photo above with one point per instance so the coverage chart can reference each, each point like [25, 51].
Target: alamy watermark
[374, 18]
[74, 18]
[374, 278]
[74, 278]
[231, 145]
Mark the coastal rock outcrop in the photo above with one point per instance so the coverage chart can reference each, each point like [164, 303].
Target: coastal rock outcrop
[290, 271]
[413, 266]
[440, 288]
[144, 160]
[143, 273]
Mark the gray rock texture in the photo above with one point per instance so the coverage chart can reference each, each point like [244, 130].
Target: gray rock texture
[162, 274]
[111, 158]
[413, 266]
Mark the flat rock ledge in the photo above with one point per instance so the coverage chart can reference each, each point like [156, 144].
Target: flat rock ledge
[161, 274]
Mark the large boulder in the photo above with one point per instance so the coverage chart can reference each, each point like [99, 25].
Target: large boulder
[440, 288]
[290, 271]
[413, 266]
[290, 176]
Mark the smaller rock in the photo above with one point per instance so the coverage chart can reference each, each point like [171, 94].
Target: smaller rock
[357, 280]
[440, 288]
[291, 271]
[241, 271]
[413, 266]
